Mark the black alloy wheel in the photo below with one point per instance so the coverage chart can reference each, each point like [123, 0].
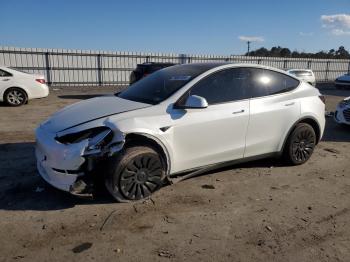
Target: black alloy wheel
[301, 144]
[135, 173]
[141, 177]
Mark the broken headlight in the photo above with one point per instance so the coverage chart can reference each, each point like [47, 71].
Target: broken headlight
[97, 137]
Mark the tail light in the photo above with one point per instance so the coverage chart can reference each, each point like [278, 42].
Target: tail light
[323, 99]
[41, 81]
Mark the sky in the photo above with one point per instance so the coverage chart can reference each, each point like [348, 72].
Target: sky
[219, 27]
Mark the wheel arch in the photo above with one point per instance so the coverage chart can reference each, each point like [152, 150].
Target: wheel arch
[308, 120]
[137, 139]
[18, 87]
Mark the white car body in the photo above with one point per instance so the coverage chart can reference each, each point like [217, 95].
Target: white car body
[10, 78]
[189, 138]
[342, 112]
[343, 81]
[306, 75]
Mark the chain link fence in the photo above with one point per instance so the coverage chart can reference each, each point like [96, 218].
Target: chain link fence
[63, 67]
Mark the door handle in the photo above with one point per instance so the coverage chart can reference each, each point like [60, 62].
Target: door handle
[238, 112]
[6, 79]
[290, 104]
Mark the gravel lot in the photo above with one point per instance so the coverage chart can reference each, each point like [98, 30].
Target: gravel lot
[260, 211]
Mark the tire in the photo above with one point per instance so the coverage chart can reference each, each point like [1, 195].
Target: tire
[15, 97]
[300, 144]
[134, 173]
[132, 78]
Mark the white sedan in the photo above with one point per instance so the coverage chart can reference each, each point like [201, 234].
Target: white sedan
[306, 75]
[183, 119]
[17, 87]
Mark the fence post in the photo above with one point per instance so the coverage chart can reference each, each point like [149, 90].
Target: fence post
[182, 59]
[99, 70]
[285, 63]
[48, 68]
[349, 68]
[327, 70]
[309, 64]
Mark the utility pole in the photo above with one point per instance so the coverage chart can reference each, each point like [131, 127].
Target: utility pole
[248, 43]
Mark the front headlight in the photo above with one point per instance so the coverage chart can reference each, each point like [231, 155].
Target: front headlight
[97, 137]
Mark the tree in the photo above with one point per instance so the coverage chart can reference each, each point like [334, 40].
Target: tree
[342, 53]
[275, 51]
[331, 52]
[260, 52]
[285, 52]
[320, 54]
[278, 51]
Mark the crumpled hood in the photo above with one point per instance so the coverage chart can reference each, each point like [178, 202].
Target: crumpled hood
[89, 110]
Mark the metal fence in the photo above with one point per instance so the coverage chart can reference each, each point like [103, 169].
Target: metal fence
[100, 68]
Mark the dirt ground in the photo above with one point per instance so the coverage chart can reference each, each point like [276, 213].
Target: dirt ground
[260, 211]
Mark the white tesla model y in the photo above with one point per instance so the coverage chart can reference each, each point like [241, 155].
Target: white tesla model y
[181, 120]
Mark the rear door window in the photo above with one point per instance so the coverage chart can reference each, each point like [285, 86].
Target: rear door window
[266, 82]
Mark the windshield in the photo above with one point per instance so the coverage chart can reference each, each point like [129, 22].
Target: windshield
[160, 85]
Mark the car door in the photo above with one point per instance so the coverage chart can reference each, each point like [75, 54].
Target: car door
[5, 80]
[214, 134]
[274, 108]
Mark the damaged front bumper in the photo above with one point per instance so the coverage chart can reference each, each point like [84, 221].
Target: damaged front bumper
[67, 166]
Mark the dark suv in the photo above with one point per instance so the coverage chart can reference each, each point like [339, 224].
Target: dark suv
[145, 69]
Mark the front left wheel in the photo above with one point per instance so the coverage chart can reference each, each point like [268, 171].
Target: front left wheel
[135, 173]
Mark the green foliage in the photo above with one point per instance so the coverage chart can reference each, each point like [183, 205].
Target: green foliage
[278, 51]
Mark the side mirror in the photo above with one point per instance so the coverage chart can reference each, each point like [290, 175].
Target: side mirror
[194, 101]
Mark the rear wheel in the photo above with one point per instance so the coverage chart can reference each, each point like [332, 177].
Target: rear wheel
[15, 97]
[300, 144]
[135, 173]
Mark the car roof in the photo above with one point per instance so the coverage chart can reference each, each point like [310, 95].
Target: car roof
[202, 66]
[299, 69]
[156, 63]
[222, 65]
